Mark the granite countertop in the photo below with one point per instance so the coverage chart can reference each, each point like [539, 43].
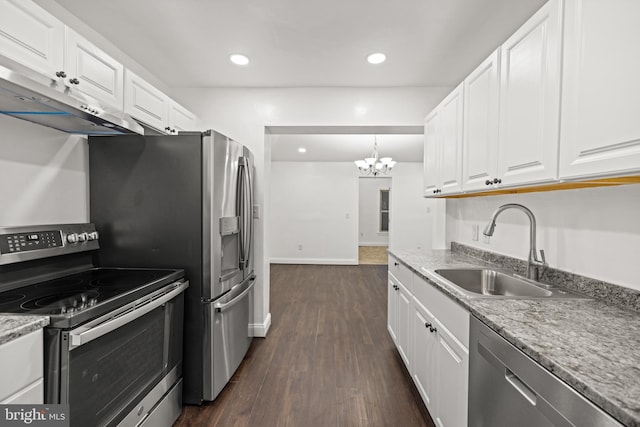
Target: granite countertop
[15, 326]
[591, 345]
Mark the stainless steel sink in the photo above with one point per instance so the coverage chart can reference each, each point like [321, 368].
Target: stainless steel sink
[476, 282]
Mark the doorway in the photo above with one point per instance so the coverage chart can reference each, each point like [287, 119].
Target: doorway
[373, 219]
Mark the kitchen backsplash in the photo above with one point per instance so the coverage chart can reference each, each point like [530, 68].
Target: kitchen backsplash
[613, 294]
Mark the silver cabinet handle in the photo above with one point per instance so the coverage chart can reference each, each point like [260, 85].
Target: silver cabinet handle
[222, 307]
[102, 326]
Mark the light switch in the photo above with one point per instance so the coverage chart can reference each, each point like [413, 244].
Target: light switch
[256, 211]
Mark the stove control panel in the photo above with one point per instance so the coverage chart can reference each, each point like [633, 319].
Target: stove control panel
[20, 242]
[41, 241]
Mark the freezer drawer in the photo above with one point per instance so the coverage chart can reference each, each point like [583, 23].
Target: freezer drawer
[508, 388]
[227, 337]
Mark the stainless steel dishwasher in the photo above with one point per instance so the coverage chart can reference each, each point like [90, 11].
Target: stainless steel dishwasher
[508, 388]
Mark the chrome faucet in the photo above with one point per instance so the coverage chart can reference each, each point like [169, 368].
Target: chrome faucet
[534, 265]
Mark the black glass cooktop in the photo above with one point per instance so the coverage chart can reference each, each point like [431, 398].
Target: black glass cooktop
[85, 295]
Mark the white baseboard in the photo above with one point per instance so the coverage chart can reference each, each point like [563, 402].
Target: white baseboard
[324, 261]
[261, 329]
[373, 244]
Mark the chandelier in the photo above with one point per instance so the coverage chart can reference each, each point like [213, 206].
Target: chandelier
[375, 165]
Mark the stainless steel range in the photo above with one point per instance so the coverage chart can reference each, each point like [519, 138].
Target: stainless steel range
[113, 349]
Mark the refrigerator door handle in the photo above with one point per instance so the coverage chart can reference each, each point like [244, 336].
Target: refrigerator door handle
[222, 307]
[249, 209]
[244, 209]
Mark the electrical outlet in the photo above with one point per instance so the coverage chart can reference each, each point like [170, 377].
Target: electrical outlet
[299, 247]
[474, 232]
[256, 211]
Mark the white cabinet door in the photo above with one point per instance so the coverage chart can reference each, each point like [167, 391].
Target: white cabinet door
[145, 103]
[431, 155]
[600, 129]
[404, 310]
[530, 99]
[392, 319]
[480, 141]
[180, 119]
[450, 129]
[31, 36]
[453, 380]
[91, 71]
[21, 367]
[425, 347]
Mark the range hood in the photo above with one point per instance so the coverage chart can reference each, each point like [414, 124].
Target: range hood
[27, 98]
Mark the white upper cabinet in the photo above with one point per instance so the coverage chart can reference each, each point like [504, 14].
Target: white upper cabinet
[31, 36]
[181, 119]
[600, 129]
[91, 71]
[530, 99]
[431, 155]
[480, 141]
[443, 146]
[451, 122]
[145, 102]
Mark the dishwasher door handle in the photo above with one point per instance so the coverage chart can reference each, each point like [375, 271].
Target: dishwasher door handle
[521, 386]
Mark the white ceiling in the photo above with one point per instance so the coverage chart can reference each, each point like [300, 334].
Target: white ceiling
[345, 148]
[304, 43]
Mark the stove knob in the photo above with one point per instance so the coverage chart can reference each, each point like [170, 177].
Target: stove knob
[82, 237]
[93, 235]
[72, 238]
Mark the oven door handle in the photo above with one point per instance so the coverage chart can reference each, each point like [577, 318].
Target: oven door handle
[130, 312]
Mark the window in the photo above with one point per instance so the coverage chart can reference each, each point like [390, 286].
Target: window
[384, 210]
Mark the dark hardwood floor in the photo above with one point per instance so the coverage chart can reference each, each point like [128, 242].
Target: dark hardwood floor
[328, 359]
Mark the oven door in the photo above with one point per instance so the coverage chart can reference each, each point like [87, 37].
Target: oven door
[110, 364]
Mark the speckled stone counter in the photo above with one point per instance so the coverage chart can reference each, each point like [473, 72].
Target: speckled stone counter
[593, 346]
[12, 326]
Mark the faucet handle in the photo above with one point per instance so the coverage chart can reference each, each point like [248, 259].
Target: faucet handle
[544, 260]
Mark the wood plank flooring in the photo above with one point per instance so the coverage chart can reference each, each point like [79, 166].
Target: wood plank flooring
[328, 359]
[372, 255]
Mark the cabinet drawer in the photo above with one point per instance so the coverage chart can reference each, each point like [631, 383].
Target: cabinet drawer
[20, 363]
[401, 272]
[451, 315]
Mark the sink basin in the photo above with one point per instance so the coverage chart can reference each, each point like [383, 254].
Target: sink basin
[476, 282]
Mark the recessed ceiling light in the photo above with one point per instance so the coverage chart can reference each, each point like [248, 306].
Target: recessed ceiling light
[302, 150]
[376, 58]
[239, 59]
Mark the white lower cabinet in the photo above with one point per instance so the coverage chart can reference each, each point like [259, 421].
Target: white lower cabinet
[22, 370]
[399, 317]
[452, 368]
[425, 347]
[431, 332]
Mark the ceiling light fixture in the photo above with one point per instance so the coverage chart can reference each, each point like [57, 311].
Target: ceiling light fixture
[376, 58]
[374, 165]
[239, 59]
[302, 150]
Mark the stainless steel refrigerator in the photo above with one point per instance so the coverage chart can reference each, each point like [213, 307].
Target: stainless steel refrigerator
[186, 202]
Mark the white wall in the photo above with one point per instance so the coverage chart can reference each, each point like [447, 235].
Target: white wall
[592, 232]
[243, 113]
[314, 213]
[43, 175]
[369, 233]
[414, 219]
